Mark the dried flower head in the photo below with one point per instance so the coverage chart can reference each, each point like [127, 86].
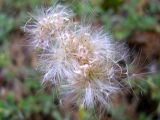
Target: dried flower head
[83, 62]
[46, 24]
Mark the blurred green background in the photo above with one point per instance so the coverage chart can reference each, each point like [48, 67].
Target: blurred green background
[136, 22]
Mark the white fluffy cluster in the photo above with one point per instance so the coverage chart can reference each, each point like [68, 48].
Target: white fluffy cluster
[81, 61]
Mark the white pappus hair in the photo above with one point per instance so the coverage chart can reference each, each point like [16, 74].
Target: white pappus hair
[83, 62]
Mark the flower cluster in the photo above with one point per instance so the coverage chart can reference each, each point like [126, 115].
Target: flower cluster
[82, 62]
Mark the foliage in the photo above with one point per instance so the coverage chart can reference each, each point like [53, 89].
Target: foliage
[121, 18]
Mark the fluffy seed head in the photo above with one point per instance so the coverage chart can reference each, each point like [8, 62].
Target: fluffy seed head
[46, 24]
[82, 62]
